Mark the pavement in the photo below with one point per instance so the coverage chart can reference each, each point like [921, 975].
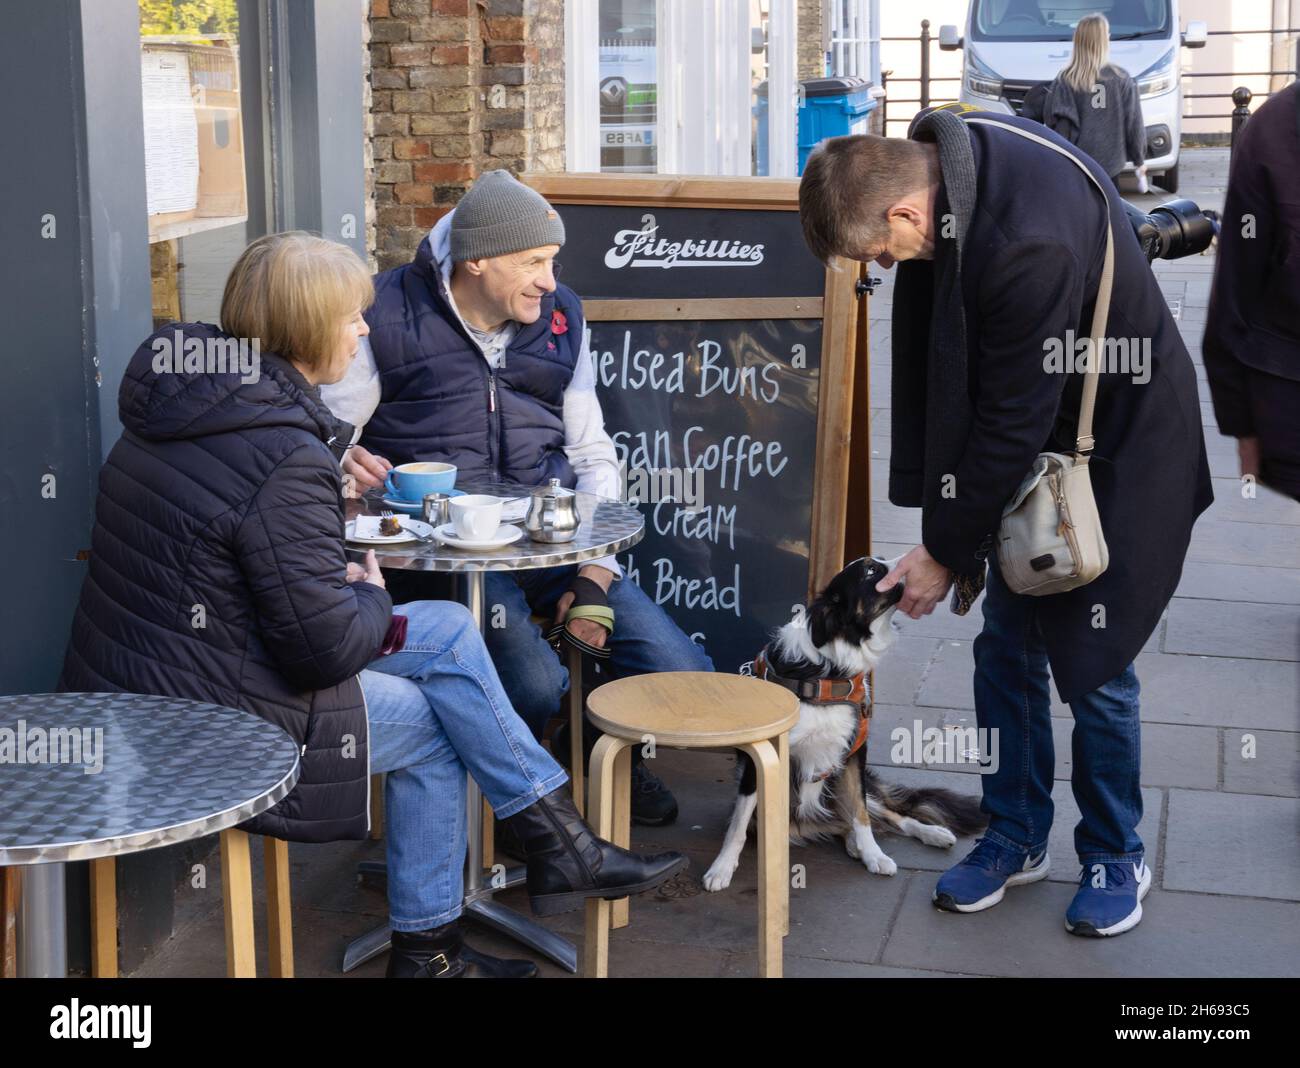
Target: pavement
[1220, 781]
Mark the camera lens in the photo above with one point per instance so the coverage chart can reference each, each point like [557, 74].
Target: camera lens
[1172, 230]
[1182, 229]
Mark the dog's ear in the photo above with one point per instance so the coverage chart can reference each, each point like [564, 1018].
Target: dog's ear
[821, 622]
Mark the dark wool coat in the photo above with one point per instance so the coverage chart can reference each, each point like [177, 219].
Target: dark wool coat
[1252, 331]
[1028, 273]
[227, 495]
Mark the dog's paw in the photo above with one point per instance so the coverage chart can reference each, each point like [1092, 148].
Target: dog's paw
[940, 837]
[851, 847]
[719, 876]
[880, 864]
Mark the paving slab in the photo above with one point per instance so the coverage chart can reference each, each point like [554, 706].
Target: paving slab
[900, 525]
[1233, 628]
[1261, 762]
[1025, 936]
[949, 683]
[943, 623]
[1239, 582]
[883, 743]
[1265, 506]
[841, 910]
[1221, 464]
[1176, 688]
[1218, 691]
[913, 854]
[1227, 542]
[887, 750]
[1242, 844]
[900, 674]
[818, 968]
[1172, 754]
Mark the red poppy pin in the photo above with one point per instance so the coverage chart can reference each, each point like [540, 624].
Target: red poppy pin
[559, 324]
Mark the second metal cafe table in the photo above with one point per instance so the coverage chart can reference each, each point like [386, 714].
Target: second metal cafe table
[607, 527]
[95, 775]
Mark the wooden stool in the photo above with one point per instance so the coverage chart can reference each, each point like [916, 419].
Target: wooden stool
[694, 710]
[577, 776]
[10, 889]
[377, 806]
[573, 662]
[237, 901]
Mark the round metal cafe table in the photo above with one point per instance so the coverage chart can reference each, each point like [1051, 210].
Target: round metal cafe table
[607, 527]
[91, 775]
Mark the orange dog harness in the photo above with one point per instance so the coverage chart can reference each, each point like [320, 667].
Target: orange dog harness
[850, 691]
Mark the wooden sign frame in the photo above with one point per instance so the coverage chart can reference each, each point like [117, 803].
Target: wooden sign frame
[839, 308]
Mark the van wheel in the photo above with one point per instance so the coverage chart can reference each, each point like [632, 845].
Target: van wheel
[1169, 180]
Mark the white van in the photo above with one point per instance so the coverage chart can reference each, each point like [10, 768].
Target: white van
[1013, 45]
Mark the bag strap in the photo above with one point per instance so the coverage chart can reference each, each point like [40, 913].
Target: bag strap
[1101, 310]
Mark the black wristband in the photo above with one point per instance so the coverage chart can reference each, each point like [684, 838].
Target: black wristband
[587, 591]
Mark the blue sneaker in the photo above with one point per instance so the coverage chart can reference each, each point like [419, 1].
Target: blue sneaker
[1109, 899]
[979, 881]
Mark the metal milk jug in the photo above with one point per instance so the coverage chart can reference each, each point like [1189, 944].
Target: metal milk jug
[552, 513]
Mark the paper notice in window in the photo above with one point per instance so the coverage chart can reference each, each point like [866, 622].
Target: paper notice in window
[171, 133]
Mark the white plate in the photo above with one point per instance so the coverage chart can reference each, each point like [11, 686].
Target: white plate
[412, 530]
[507, 534]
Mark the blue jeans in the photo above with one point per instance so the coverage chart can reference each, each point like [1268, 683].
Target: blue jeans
[645, 640]
[1012, 698]
[436, 710]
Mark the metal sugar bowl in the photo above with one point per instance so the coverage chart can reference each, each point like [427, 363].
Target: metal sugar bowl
[552, 513]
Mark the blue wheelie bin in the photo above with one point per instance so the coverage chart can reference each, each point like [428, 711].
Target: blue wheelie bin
[831, 107]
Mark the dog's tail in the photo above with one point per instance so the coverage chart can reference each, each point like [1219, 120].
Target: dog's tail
[960, 813]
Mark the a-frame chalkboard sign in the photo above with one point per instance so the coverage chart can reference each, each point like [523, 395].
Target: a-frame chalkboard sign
[725, 357]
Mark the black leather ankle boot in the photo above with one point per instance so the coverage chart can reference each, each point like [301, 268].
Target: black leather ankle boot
[567, 863]
[441, 953]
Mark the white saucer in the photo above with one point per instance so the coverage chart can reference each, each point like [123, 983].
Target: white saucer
[412, 530]
[507, 534]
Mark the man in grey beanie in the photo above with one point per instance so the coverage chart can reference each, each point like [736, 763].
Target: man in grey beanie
[478, 357]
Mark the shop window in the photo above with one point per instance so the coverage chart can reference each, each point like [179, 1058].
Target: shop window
[628, 85]
[195, 159]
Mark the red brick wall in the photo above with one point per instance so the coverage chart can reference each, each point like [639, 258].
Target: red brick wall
[458, 87]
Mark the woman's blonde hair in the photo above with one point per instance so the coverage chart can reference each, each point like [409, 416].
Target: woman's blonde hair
[292, 291]
[1091, 53]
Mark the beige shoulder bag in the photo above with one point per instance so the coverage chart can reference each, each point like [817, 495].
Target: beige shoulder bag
[1050, 539]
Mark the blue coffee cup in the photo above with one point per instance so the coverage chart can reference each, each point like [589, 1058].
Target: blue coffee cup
[410, 482]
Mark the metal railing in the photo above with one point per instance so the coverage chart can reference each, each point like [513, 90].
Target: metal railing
[1232, 94]
[926, 80]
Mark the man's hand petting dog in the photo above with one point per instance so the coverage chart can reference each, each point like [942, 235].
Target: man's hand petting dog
[926, 581]
[587, 630]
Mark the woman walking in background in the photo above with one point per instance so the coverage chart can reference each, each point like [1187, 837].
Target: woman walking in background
[1094, 104]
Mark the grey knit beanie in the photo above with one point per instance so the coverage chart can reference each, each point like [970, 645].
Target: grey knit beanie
[500, 215]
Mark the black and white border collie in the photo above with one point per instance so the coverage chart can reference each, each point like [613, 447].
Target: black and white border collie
[844, 633]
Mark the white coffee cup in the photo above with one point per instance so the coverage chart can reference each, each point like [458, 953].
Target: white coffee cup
[476, 516]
